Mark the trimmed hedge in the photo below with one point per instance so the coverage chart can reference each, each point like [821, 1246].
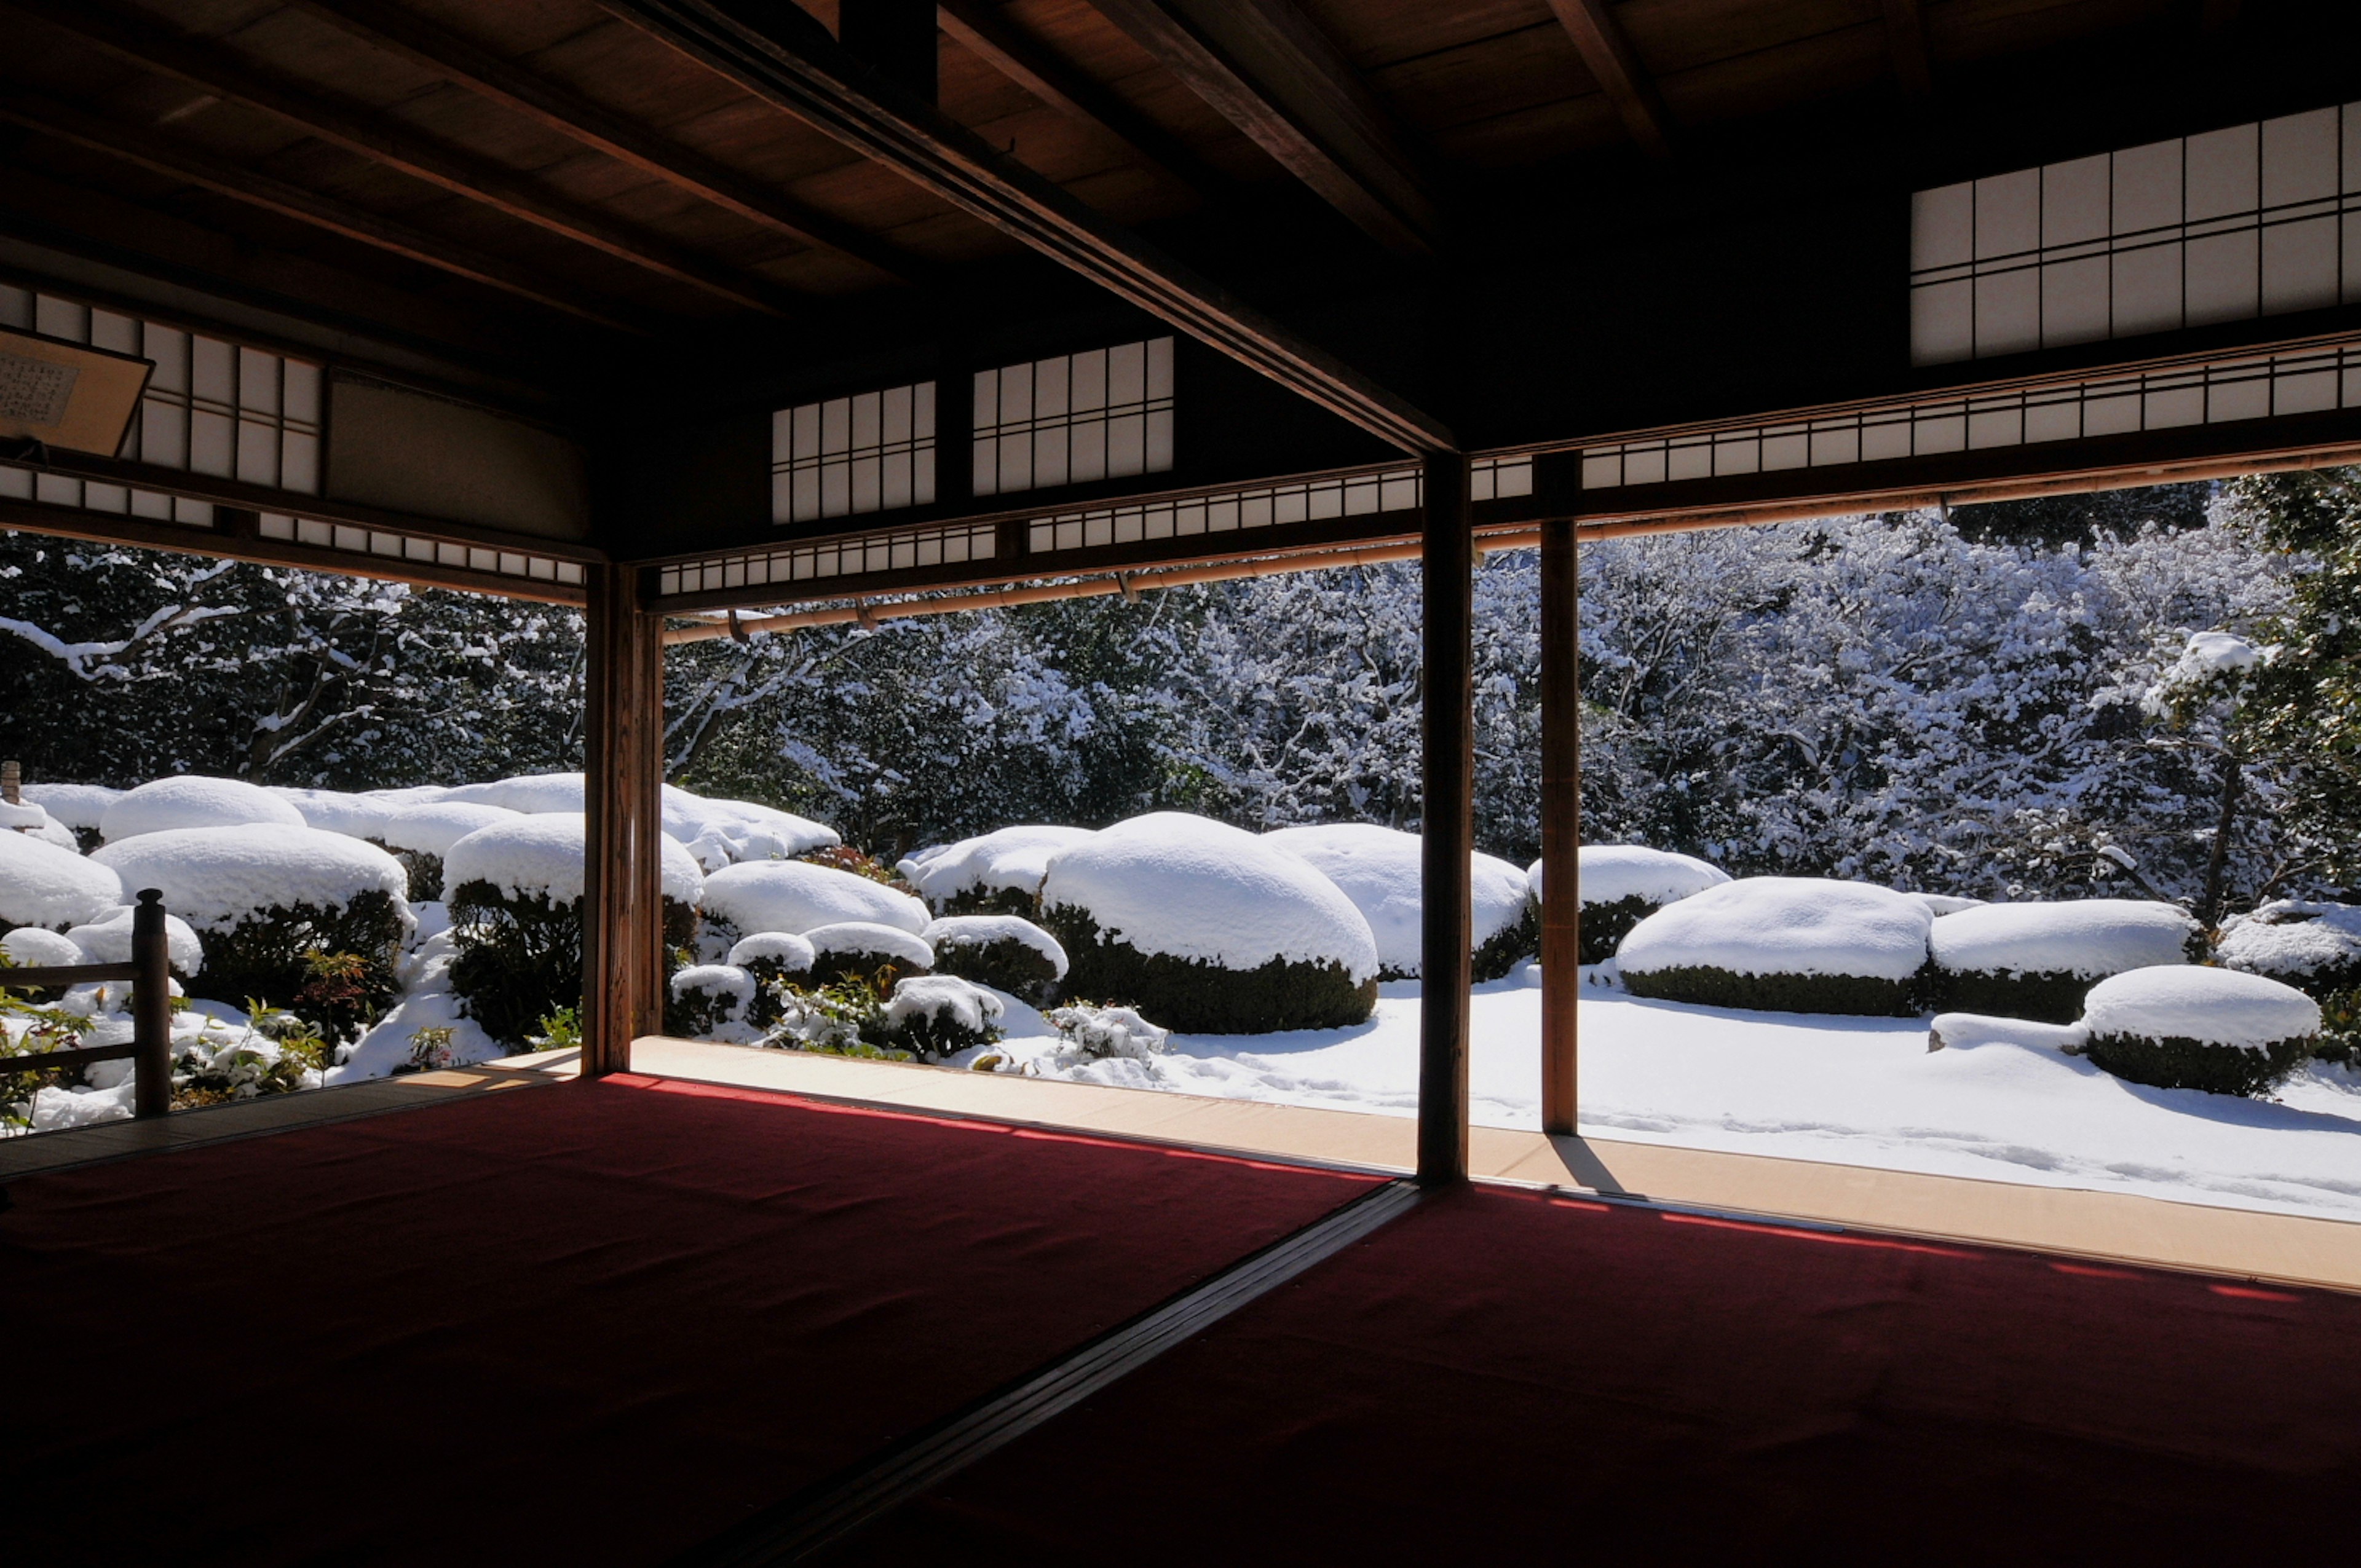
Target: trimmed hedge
[982, 900]
[1604, 926]
[2178, 1062]
[1006, 965]
[425, 871]
[1706, 986]
[2055, 997]
[519, 959]
[1197, 997]
[265, 956]
[1510, 945]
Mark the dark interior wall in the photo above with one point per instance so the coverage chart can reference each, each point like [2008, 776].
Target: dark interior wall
[438, 458]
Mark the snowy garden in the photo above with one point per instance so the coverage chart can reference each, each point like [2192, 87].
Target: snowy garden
[1973, 855]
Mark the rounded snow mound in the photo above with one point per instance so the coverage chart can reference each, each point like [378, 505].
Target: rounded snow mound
[1767, 926]
[1380, 870]
[108, 941]
[524, 855]
[32, 948]
[2088, 938]
[44, 884]
[792, 953]
[1191, 888]
[432, 828]
[1013, 860]
[796, 895]
[2311, 944]
[2210, 1006]
[160, 806]
[528, 793]
[984, 930]
[76, 806]
[867, 938]
[1609, 874]
[214, 878]
[945, 1001]
[725, 983]
[741, 829]
[333, 811]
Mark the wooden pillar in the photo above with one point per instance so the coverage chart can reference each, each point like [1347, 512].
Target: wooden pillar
[622, 935]
[1561, 821]
[1447, 564]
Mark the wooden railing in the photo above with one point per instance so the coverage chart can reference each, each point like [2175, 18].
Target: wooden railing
[150, 974]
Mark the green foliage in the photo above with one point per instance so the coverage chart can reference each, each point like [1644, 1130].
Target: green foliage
[697, 1013]
[1604, 926]
[1506, 949]
[1705, 985]
[2339, 1026]
[845, 858]
[429, 1049]
[560, 1029]
[519, 958]
[1197, 997]
[339, 962]
[2048, 998]
[2176, 1062]
[1006, 964]
[43, 1029]
[881, 969]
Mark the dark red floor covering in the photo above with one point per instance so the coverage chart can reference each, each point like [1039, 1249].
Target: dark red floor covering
[591, 1323]
[1501, 1378]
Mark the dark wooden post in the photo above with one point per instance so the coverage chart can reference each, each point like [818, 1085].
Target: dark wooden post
[1447, 563]
[1561, 821]
[151, 1008]
[622, 935]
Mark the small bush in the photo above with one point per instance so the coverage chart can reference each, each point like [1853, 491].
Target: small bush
[425, 870]
[1197, 997]
[271, 955]
[1604, 926]
[1705, 986]
[2049, 998]
[2176, 1062]
[845, 858]
[935, 1016]
[704, 999]
[520, 957]
[1507, 948]
[982, 900]
[1006, 965]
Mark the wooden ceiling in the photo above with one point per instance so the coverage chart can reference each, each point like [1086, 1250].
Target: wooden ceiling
[498, 175]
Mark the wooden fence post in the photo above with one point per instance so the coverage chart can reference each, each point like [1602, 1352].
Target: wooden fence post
[151, 1008]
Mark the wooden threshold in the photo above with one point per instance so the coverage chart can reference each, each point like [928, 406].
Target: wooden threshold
[2118, 1226]
[252, 1118]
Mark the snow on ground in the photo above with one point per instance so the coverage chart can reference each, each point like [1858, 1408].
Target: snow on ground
[1861, 1092]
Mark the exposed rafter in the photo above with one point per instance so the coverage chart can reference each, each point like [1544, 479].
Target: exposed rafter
[467, 65]
[1616, 66]
[781, 56]
[1906, 39]
[224, 77]
[182, 162]
[988, 34]
[1264, 67]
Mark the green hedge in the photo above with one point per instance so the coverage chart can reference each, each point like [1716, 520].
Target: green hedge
[519, 959]
[2176, 1062]
[1604, 926]
[1706, 986]
[982, 900]
[1509, 947]
[1197, 997]
[1006, 965]
[267, 956]
[2053, 997]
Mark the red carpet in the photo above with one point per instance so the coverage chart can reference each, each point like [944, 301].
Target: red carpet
[1499, 1379]
[592, 1323]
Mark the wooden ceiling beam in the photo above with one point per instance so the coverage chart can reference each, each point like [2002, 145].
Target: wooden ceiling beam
[779, 54]
[1906, 39]
[223, 76]
[479, 70]
[1615, 67]
[178, 161]
[989, 36]
[1264, 67]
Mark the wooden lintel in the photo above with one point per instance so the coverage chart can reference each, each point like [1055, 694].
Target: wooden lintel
[464, 64]
[779, 54]
[1263, 66]
[1617, 68]
[1906, 39]
[180, 161]
[220, 73]
[987, 33]
[622, 905]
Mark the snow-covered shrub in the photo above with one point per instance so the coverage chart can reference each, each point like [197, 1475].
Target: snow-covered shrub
[1380, 870]
[334, 811]
[833, 1020]
[1783, 945]
[866, 950]
[1094, 1034]
[2038, 961]
[31, 947]
[998, 872]
[107, 940]
[1004, 951]
[264, 898]
[2183, 1026]
[191, 801]
[516, 918]
[78, 807]
[43, 885]
[1622, 884]
[794, 895]
[933, 1016]
[776, 960]
[2315, 947]
[1206, 928]
[708, 1001]
[419, 835]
